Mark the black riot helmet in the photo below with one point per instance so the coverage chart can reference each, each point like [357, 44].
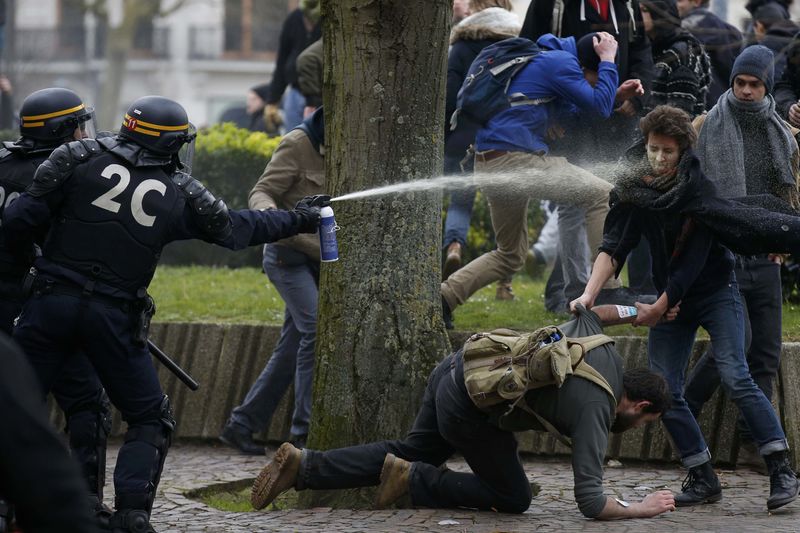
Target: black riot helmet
[158, 124]
[53, 115]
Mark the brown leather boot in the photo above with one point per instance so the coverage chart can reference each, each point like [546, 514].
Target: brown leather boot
[504, 290]
[394, 481]
[452, 260]
[277, 477]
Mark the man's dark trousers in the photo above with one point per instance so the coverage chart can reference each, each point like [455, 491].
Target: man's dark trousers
[447, 422]
[760, 286]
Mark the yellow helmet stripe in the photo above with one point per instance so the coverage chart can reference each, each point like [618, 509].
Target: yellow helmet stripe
[54, 114]
[139, 129]
[32, 124]
[157, 126]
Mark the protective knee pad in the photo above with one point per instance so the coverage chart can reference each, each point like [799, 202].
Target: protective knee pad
[89, 425]
[157, 433]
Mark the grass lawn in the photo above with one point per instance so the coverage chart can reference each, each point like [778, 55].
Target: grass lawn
[245, 296]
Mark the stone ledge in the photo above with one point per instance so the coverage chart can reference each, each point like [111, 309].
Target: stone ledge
[226, 359]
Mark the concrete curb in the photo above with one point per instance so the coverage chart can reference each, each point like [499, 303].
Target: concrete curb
[226, 359]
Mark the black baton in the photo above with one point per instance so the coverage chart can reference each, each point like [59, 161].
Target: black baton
[172, 366]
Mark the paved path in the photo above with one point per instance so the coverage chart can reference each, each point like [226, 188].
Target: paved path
[193, 466]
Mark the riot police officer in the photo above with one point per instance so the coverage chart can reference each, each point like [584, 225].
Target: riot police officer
[114, 203]
[48, 119]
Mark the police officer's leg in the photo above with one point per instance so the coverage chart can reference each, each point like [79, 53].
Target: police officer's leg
[128, 375]
[80, 395]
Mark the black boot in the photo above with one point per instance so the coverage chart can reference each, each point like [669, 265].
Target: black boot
[241, 438]
[700, 486]
[131, 521]
[783, 483]
[447, 314]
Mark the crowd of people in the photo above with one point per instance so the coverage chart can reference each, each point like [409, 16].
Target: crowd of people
[658, 136]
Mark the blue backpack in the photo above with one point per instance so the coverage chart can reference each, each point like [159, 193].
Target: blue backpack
[484, 92]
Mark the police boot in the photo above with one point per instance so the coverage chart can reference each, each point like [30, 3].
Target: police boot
[131, 521]
[101, 512]
[700, 486]
[277, 477]
[394, 481]
[783, 483]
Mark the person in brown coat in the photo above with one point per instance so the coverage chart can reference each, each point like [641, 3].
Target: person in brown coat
[297, 169]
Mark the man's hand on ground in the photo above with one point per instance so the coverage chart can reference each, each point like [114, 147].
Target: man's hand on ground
[656, 503]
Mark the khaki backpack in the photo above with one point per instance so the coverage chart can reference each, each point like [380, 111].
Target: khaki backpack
[502, 365]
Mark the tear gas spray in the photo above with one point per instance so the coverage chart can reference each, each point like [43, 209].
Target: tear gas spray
[328, 247]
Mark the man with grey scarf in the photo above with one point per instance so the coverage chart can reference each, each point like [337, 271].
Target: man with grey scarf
[747, 149]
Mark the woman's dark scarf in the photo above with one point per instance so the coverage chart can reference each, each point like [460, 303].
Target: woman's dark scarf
[749, 225]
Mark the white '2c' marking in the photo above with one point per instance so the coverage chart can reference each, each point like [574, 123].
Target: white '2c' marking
[106, 200]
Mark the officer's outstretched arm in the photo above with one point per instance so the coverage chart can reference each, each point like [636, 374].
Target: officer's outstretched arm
[208, 218]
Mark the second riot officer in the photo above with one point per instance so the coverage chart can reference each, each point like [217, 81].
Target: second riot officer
[49, 118]
[112, 205]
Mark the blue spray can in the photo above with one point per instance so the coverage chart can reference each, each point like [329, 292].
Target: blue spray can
[328, 247]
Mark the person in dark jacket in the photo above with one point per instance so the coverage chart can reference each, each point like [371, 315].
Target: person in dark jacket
[37, 474]
[772, 30]
[449, 422]
[721, 41]
[682, 69]
[752, 6]
[661, 195]
[300, 29]
[787, 88]
[746, 149]
[251, 116]
[486, 25]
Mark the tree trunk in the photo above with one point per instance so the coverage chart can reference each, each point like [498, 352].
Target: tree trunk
[380, 329]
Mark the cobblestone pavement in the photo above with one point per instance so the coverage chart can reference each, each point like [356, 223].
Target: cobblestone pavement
[193, 466]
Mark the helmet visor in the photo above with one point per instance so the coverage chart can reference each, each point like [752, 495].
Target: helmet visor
[87, 125]
[186, 152]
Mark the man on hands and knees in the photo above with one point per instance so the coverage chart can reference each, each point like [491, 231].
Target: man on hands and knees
[450, 421]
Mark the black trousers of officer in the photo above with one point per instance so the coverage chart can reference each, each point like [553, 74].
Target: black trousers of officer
[760, 285]
[55, 330]
[447, 422]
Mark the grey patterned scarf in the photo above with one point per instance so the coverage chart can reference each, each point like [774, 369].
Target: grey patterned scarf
[721, 142]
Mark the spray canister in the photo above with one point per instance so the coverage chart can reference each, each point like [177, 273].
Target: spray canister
[328, 247]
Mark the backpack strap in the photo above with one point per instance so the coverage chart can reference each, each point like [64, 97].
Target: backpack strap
[587, 371]
[566, 441]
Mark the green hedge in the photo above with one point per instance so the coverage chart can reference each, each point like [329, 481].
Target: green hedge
[229, 161]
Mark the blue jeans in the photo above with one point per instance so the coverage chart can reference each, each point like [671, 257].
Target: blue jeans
[293, 104]
[459, 212]
[293, 357]
[669, 348]
[760, 286]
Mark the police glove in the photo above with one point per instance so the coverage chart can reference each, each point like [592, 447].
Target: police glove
[307, 212]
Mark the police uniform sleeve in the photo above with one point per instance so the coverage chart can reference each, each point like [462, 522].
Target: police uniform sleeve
[208, 218]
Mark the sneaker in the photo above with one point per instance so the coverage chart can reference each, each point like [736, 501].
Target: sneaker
[394, 481]
[277, 477]
[452, 260]
[504, 291]
[241, 438]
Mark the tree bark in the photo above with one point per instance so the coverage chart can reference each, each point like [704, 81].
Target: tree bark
[380, 330]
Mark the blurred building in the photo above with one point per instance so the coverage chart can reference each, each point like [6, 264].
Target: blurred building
[205, 54]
